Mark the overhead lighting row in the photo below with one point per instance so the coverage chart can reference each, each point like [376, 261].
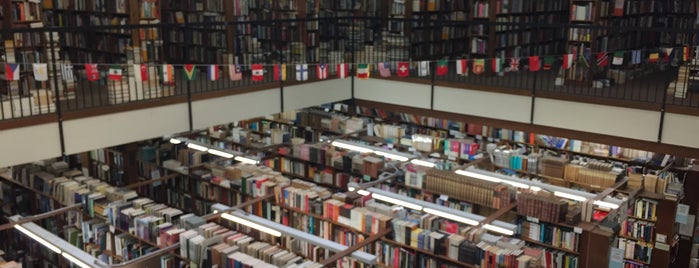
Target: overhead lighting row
[41, 240]
[225, 153]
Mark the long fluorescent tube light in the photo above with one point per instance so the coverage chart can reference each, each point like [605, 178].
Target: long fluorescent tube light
[396, 201]
[175, 141]
[38, 239]
[499, 229]
[197, 147]
[392, 156]
[363, 192]
[250, 224]
[350, 146]
[247, 160]
[477, 175]
[75, 260]
[422, 163]
[606, 204]
[570, 196]
[450, 216]
[220, 153]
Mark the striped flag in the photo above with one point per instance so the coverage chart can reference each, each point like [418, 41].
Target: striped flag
[167, 74]
[462, 67]
[40, 71]
[301, 72]
[548, 62]
[258, 72]
[280, 72]
[636, 57]
[190, 72]
[497, 65]
[140, 72]
[568, 60]
[423, 68]
[67, 72]
[235, 72]
[91, 72]
[363, 71]
[685, 53]
[653, 58]
[322, 71]
[114, 73]
[442, 67]
[618, 58]
[384, 69]
[212, 72]
[342, 70]
[602, 59]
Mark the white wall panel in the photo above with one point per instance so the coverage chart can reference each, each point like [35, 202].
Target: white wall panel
[216, 111]
[28, 144]
[681, 129]
[389, 91]
[312, 94]
[102, 131]
[595, 118]
[482, 103]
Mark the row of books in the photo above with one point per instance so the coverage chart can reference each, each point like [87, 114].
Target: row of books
[467, 189]
[590, 176]
[645, 208]
[641, 230]
[556, 236]
[542, 206]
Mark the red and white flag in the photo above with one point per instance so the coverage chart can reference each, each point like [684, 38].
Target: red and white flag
[342, 70]
[322, 70]
[462, 67]
[258, 72]
[140, 72]
[92, 73]
[384, 69]
[568, 60]
[403, 69]
[235, 72]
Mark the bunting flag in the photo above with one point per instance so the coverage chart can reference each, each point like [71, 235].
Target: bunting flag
[235, 72]
[442, 67]
[568, 60]
[342, 70]
[462, 67]
[212, 72]
[167, 74]
[618, 58]
[514, 65]
[280, 72]
[363, 71]
[548, 62]
[618, 8]
[140, 72]
[636, 57]
[258, 72]
[423, 68]
[478, 66]
[91, 72]
[67, 72]
[301, 72]
[534, 64]
[653, 57]
[403, 69]
[685, 53]
[40, 71]
[384, 69]
[602, 59]
[12, 71]
[669, 55]
[497, 65]
[322, 71]
[115, 73]
[190, 72]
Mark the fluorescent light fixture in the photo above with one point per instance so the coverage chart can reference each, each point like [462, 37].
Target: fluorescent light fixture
[392, 156]
[535, 188]
[246, 160]
[450, 216]
[220, 153]
[516, 184]
[38, 239]
[477, 176]
[396, 201]
[363, 192]
[250, 224]
[570, 196]
[422, 163]
[605, 204]
[197, 147]
[75, 260]
[350, 146]
[350, 188]
[499, 229]
[175, 141]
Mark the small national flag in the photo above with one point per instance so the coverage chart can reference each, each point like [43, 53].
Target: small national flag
[322, 71]
[514, 65]
[685, 53]
[497, 65]
[235, 72]
[190, 71]
[301, 72]
[568, 60]
[363, 71]
[478, 66]
[280, 72]
[442, 67]
[636, 57]
[618, 58]
[462, 67]
[258, 72]
[342, 70]
[384, 69]
[669, 56]
[140, 72]
[403, 69]
[618, 8]
[534, 64]
[423, 68]
[115, 73]
[92, 73]
[40, 71]
[653, 58]
[548, 62]
[602, 59]
[168, 74]
[212, 72]
[67, 72]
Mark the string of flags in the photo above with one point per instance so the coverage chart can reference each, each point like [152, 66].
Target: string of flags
[166, 72]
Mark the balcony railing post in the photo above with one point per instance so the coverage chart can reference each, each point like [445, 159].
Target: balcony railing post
[58, 97]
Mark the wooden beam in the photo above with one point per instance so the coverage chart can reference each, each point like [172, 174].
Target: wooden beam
[498, 213]
[609, 190]
[41, 216]
[142, 183]
[330, 262]
[239, 206]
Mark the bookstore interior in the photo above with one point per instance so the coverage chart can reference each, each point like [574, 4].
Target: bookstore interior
[342, 184]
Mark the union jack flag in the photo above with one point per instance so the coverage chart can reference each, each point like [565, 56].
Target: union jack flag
[514, 65]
